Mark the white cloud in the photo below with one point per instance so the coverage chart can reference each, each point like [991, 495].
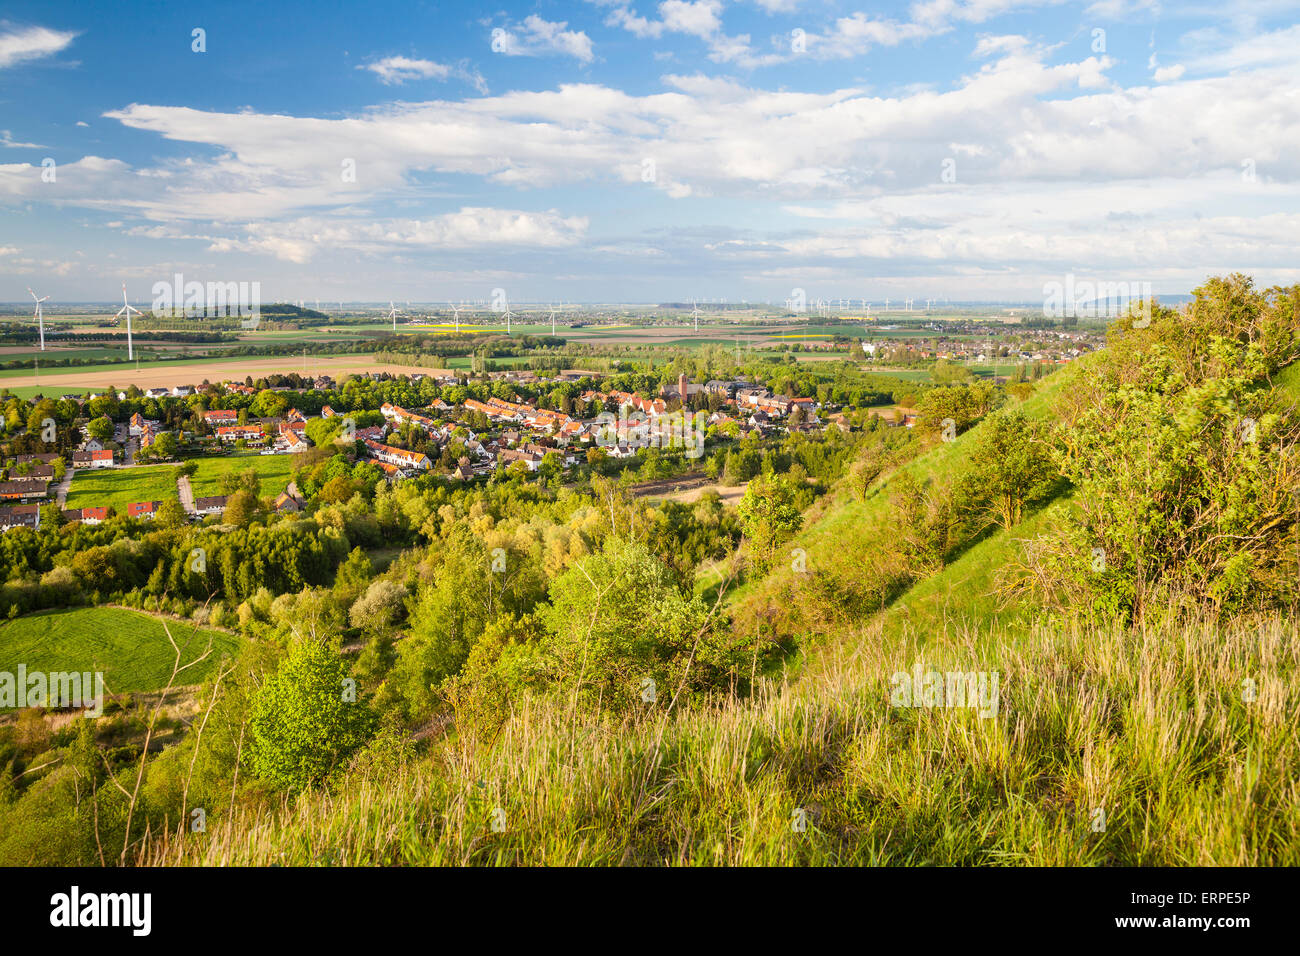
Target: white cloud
[700, 18]
[399, 69]
[7, 140]
[396, 70]
[537, 37]
[302, 239]
[1167, 74]
[1015, 118]
[1210, 51]
[990, 45]
[21, 45]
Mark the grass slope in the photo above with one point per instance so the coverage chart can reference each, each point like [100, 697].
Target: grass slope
[129, 647]
[842, 535]
[1150, 730]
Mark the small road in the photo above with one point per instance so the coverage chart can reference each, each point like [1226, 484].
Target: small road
[61, 490]
[186, 493]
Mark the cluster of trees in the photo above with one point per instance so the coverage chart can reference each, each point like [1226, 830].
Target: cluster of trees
[1182, 452]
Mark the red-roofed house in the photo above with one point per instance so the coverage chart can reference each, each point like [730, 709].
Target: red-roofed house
[143, 509]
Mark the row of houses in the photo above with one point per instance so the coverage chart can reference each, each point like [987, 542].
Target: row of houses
[398, 460]
[144, 510]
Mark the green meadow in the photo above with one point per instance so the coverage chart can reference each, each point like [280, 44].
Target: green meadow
[120, 487]
[129, 647]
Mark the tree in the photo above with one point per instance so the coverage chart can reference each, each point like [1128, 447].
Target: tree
[338, 490]
[948, 373]
[170, 514]
[1010, 467]
[769, 518]
[306, 719]
[269, 404]
[100, 428]
[618, 619]
[1183, 455]
[164, 446]
[963, 404]
[241, 507]
[380, 607]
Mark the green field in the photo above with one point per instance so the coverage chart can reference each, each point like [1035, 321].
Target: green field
[129, 647]
[96, 353]
[274, 470]
[120, 487]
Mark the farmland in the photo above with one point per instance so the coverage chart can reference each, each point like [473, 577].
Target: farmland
[186, 371]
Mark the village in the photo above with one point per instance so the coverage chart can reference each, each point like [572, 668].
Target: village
[982, 344]
[489, 436]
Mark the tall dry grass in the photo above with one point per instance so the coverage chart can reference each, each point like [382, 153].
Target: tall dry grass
[1158, 730]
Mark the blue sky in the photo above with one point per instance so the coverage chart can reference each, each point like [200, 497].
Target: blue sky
[647, 151]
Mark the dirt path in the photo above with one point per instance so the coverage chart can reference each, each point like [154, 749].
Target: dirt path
[61, 491]
[186, 493]
[688, 488]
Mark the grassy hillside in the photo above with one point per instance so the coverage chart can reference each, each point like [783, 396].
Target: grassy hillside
[128, 647]
[842, 535]
[1288, 380]
[1107, 749]
[1107, 746]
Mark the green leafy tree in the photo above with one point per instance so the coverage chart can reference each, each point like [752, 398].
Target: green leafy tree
[241, 508]
[100, 428]
[769, 517]
[164, 446]
[306, 719]
[1183, 456]
[1011, 466]
[617, 619]
[170, 514]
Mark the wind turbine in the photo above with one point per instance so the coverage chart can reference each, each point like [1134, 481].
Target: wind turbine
[695, 311]
[552, 321]
[509, 315]
[456, 314]
[40, 321]
[126, 310]
[392, 314]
